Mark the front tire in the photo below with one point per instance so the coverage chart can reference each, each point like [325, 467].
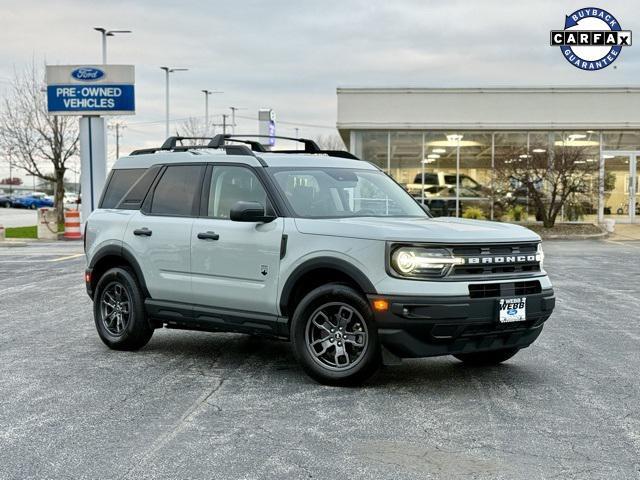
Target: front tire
[482, 359]
[334, 336]
[118, 310]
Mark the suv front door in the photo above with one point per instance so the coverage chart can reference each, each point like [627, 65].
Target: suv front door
[234, 265]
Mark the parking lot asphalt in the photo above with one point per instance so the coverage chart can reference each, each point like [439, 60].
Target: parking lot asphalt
[199, 405]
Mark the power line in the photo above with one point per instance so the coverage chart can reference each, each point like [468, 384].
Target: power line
[244, 117]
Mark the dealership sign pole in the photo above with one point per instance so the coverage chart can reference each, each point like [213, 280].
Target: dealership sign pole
[91, 92]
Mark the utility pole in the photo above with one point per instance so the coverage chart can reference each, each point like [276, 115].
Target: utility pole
[107, 33]
[167, 71]
[117, 126]
[233, 118]
[206, 107]
[224, 123]
[10, 176]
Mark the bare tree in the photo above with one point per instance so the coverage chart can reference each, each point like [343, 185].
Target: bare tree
[332, 141]
[194, 127]
[38, 143]
[547, 180]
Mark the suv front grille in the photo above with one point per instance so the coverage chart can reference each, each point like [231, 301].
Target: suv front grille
[510, 289]
[493, 259]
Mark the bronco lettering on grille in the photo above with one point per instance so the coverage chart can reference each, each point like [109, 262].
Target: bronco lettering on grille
[503, 259]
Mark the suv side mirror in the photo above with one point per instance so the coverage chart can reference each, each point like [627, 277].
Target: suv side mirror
[250, 212]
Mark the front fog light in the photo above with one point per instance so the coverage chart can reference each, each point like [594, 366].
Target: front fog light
[417, 261]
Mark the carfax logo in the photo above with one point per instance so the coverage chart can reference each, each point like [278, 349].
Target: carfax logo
[592, 38]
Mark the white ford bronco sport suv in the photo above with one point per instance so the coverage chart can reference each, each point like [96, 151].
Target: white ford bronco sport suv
[316, 247]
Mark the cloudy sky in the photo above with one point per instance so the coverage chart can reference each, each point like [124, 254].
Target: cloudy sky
[291, 56]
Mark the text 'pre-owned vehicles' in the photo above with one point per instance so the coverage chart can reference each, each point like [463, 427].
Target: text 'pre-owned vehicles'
[312, 246]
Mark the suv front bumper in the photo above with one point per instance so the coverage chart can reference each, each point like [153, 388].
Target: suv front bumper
[426, 326]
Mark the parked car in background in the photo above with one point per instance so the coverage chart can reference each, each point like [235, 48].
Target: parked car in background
[437, 181]
[6, 200]
[71, 200]
[32, 201]
[442, 201]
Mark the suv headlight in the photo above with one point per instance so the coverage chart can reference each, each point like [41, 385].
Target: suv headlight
[422, 261]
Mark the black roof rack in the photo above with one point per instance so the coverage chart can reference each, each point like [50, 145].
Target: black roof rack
[171, 145]
[174, 144]
[309, 145]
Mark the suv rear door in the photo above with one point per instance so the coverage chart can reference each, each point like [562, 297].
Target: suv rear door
[160, 233]
[234, 264]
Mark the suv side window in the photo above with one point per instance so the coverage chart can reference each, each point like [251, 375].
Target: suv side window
[176, 191]
[120, 182]
[231, 184]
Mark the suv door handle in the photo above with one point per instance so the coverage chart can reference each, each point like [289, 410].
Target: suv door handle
[208, 236]
[142, 232]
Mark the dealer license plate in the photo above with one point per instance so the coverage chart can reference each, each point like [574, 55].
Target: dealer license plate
[512, 310]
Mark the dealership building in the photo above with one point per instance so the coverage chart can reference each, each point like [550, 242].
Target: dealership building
[465, 136]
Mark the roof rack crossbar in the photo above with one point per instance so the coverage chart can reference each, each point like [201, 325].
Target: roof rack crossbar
[309, 145]
[172, 142]
[230, 149]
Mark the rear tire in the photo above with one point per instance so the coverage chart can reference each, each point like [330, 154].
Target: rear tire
[334, 336]
[482, 359]
[118, 310]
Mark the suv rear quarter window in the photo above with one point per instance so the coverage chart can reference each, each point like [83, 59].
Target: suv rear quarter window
[119, 183]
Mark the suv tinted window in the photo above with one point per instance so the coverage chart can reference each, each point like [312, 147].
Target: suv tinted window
[135, 196]
[230, 185]
[176, 191]
[119, 183]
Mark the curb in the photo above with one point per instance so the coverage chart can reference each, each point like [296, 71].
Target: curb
[589, 236]
[9, 244]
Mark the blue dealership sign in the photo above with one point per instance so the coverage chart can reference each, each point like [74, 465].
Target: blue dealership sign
[91, 98]
[91, 89]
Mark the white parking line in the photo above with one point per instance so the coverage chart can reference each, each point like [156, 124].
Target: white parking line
[69, 257]
[623, 244]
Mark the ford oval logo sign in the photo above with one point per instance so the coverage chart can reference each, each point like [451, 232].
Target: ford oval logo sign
[87, 74]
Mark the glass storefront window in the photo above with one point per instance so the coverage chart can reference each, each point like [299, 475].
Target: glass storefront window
[373, 147]
[406, 154]
[620, 140]
[485, 160]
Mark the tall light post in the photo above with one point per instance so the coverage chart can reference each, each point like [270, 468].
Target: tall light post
[167, 71]
[451, 139]
[107, 33]
[206, 107]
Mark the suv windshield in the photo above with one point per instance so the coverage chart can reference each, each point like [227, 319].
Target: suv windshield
[338, 192]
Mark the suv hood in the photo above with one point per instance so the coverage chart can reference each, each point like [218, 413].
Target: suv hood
[440, 230]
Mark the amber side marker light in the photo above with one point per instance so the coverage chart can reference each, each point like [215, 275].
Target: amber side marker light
[381, 305]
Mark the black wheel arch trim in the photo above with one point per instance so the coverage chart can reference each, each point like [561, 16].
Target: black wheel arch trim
[124, 253]
[340, 265]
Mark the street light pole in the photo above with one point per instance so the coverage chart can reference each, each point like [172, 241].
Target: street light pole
[107, 33]
[167, 71]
